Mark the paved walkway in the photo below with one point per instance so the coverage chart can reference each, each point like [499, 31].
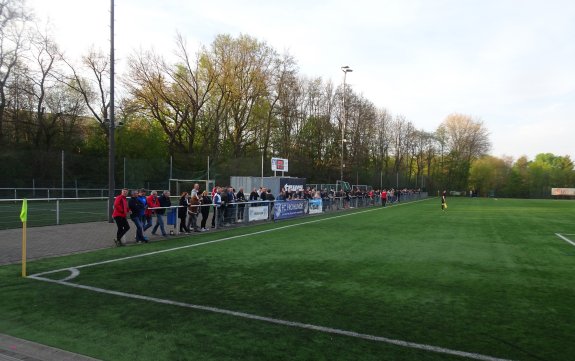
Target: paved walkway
[50, 241]
[15, 349]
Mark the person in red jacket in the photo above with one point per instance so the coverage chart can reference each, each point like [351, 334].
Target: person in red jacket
[383, 197]
[152, 201]
[120, 215]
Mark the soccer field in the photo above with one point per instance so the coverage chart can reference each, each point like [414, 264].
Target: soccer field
[487, 279]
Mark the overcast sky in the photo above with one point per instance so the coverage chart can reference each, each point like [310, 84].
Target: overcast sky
[508, 63]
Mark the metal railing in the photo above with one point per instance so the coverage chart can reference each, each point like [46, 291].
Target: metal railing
[249, 212]
[56, 211]
[51, 193]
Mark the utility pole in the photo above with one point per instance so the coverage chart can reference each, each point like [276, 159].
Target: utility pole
[111, 141]
[346, 69]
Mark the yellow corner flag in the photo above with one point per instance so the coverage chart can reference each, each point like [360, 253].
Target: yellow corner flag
[24, 212]
[24, 218]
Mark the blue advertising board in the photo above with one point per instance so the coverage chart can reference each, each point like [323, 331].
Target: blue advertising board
[315, 206]
[290, 209]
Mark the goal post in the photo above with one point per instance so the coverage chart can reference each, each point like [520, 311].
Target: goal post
[177, 186]
[342, 186]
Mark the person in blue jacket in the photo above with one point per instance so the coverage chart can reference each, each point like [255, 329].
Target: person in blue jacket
[142, 199]
[136, 209]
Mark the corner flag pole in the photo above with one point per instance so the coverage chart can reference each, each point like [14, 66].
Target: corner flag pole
[24, 218]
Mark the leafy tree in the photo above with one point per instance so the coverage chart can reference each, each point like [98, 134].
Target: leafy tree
[141, 139]
[245, 67]
[547, 171]
[518, 185]
[465, 140]
[489, 174]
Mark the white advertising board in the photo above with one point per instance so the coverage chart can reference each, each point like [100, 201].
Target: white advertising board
[260, 213]
[563, 191]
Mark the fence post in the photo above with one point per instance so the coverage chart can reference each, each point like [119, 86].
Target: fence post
[62, 196]
[57, 211]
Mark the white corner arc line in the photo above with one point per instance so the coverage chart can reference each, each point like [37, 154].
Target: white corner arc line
[307, 326]
[565, 239]
[74, 272]
[219, 240]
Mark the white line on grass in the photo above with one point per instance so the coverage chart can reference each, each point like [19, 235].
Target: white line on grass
[216, 240]
[307, 326]
[565, 239]
[75, 272]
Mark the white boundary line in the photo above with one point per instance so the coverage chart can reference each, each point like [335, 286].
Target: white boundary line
[75, 272]
[565, 238]
[306, 326]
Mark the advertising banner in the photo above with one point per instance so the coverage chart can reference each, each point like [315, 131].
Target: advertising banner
[290, 209]
[315, 206]
[259, 213]
[563, 191]
[292, 184]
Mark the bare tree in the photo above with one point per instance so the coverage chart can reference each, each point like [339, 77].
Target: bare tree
[195, 80]
[382, 141]
[90, 80]
[44, 57]
[283, 85]
[13, 19]
[311, 112]
[421, 154]
[173, 95]
[362, 120]
[400, 129]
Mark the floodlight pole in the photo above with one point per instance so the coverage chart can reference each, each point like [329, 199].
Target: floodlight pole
[346, 69]
[111, 142]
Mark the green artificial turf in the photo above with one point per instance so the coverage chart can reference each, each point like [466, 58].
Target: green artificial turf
[486, 276]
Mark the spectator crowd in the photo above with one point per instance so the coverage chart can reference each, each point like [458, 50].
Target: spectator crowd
[228, 207]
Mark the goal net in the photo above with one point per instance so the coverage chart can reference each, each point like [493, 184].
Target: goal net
[342, 185]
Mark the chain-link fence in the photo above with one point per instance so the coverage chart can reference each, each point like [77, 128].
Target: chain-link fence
[59, 174]
[64, 174]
